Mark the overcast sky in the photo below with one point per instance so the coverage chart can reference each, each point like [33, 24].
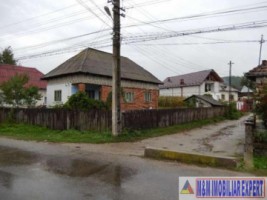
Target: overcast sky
[33, 28]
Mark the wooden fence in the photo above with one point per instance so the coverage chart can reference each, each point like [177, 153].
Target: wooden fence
[100, 120]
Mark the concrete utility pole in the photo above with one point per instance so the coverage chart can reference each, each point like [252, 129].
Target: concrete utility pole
[116, 72]
[261, 42]
[230, 80]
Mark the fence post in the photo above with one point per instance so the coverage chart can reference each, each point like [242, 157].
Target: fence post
[249, 138]
[68, 119]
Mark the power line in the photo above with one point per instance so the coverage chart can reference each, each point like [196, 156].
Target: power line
[90, 10]
[201, 15]
[198, 43]
[160, 36]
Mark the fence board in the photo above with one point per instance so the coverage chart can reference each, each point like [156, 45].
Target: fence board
[100, 120]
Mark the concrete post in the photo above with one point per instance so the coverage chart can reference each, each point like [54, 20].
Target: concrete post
[248, 151]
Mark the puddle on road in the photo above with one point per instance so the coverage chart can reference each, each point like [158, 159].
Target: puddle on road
[12, 156]
[6, 179]
[103, 171]
[73, 167]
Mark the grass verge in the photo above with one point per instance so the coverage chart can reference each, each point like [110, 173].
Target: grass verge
[37, 133]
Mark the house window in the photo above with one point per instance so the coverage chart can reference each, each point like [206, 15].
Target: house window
[129, 97]
[208, 87]
[91, 94]
[223, 97]
[148, 97]
[231, 97]
[57, 95]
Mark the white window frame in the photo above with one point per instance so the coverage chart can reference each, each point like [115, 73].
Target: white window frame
[148, 96]
[129, 97]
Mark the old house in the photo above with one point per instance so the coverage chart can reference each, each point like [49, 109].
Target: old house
[8, 71]
[258, 75]
[90, 71]
[197, 83]
[228, 93]
[202, 101]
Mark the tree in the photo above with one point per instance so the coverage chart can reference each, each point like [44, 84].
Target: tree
[7, 57]
[31, 96]
[16, 93]
[246, 82]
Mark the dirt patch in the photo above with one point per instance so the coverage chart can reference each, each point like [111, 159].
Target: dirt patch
[206, 144]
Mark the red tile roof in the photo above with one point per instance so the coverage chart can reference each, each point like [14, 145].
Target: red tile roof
[7, 71]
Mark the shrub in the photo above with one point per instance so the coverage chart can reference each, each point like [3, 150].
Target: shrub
[261, 107]
[171, 102]
[81, 101]
[232, 112]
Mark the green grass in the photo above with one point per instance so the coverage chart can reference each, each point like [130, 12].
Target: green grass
[37, 133]
[260, 162]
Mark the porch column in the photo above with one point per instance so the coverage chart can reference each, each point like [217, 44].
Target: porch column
[81, 87]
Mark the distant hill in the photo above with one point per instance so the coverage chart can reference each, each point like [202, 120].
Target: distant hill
[236, 81]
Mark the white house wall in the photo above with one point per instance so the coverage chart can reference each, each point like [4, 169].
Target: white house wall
[65, 84]
[226, 95]
[42, 101]
[187, 91]
[192, 90]
[65, 92]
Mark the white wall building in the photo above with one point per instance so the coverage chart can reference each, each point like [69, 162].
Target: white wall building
[226, 91]
[197, 83]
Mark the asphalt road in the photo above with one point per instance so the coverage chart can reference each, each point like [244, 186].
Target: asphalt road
[43, 171]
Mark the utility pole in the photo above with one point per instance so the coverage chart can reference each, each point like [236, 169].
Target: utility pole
[230, 80]
[261, 42]
[116, 68]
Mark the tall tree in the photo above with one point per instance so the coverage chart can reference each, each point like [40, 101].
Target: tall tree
[246, 82]
[7, 57]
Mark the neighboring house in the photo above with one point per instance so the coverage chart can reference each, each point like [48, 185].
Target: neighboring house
[258, 74]
[224, 91]
[246, 93]
[90, 71]
[201, 101]
[197, 83]
[8, 71]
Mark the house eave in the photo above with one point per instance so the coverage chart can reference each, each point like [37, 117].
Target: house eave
[98, 75]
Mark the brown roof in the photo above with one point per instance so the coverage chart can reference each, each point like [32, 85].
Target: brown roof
[8, 71]
[191, 79]
[259, 71]
[95, 62]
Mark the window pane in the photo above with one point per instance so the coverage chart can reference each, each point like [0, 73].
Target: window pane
[129, 96]
[57, 95]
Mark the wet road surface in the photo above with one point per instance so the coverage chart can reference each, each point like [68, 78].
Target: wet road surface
[33, 171]
[224, 139]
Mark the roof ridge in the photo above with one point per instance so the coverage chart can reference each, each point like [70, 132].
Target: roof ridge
[190, 73]
[18, 66]
[84, 59]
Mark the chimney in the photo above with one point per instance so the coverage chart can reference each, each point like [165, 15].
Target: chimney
[264, 63]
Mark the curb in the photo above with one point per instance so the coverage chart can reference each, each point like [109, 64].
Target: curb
[214, 161]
